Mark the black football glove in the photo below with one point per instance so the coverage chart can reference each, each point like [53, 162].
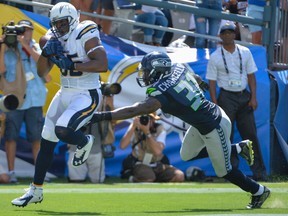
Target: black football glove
[204, 86]
[52, 48]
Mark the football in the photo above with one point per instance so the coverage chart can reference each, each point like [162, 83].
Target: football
[43, 40]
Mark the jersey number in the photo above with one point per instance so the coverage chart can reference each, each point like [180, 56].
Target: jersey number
[194, 95]
[71, 73]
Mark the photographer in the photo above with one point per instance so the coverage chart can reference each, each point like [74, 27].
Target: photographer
[18, 58]
[147, 163]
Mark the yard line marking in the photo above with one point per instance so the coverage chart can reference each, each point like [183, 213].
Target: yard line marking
[141, 190]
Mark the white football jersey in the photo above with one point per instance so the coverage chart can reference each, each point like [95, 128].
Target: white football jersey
[74, 49]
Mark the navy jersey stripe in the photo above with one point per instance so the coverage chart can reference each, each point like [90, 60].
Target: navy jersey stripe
[85, 30]
[78, 117]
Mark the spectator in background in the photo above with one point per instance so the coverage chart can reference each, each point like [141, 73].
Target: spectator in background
[255, 9]
[153, 16]
[213, 24]
[168, 36]
[190, 40]
[4, 177]
[88, 6]
[30, 112]
[21, 6]
[94, 167]
[107, 10]
[232, 67]
[148, 161]
[232, 7]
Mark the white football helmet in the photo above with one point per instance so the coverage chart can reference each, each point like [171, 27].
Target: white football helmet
[64, 18]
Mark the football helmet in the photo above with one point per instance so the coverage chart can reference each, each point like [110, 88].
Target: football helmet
[64, 18]
[154, 66]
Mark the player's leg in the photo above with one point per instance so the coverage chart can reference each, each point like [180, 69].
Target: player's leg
[79, 111]
[34, 194]
[192, 145]
[218, 146]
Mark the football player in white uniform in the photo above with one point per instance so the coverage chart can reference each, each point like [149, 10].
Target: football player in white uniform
[76, 49]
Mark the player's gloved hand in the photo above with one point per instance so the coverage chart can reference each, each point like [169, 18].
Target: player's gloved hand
[204, 86]
[64, 62]
[53, 47]
[101, 116]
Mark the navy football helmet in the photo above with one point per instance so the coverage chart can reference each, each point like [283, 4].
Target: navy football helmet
[154, 66]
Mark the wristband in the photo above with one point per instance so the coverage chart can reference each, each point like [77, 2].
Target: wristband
[101, 116]
[107, 116]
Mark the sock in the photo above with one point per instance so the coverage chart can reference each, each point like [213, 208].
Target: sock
[260, 191]
[238, 148]
[238, 178]
[234, 149]
[43, 161]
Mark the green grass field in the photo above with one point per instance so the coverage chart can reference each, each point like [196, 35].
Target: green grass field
[144, 199]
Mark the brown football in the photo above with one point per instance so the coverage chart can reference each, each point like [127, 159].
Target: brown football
[43, 41]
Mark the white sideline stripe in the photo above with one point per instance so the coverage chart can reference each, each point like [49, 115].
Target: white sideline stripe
[141, 190]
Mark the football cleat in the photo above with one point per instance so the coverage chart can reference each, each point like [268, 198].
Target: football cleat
[247, 151]
[81, 154]
[33, 195]
[257, 201]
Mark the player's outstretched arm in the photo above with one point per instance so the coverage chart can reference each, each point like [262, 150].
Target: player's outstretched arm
[148, 106]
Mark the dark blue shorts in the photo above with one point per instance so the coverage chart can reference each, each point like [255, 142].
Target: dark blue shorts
[33, 119]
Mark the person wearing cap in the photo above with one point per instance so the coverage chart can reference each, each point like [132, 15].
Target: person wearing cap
[255, 9]
[213, 24]
[147, 163]
[23, 54]
[232, 67]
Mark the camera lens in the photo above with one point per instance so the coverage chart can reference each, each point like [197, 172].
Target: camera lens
[144, 119]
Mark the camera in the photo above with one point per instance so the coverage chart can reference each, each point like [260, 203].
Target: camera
[11, 31]
[144, 119]
[110, 89]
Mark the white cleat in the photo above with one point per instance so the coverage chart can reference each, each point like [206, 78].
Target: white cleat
[33, 195]
[81, 154]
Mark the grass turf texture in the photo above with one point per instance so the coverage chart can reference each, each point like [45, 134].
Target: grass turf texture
[143, 199]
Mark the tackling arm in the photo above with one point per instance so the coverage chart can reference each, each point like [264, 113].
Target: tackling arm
[150, 105]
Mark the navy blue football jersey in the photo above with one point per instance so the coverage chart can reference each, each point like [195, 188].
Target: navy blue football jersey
[181, 96]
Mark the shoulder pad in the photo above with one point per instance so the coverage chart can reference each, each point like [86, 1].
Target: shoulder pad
[88, 26]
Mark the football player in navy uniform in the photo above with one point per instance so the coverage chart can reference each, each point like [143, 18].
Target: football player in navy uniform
[174, 89]
[77, 50]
